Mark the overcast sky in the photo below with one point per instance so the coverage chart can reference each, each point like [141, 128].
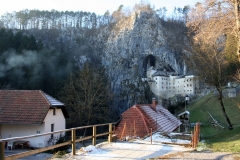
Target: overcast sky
[97, 6]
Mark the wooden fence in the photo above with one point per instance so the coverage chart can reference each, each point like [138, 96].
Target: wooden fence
[71, 142]
[196, 135]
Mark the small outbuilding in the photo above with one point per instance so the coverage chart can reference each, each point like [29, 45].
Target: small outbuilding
[184, 117]
[141, 119]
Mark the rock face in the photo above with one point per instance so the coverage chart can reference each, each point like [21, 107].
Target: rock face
[132, 46]
[127, 47]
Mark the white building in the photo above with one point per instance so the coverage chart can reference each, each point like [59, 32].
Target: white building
[166, 85]
[31, 112]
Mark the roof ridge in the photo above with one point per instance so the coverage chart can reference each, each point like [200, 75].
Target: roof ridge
[43, 94]
[143, 118]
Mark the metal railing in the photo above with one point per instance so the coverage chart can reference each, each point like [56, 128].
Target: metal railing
[71, 142]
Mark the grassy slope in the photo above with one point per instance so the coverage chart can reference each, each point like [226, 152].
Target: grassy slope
[217, 138]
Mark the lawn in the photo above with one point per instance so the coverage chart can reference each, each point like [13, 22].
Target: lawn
[217, 138]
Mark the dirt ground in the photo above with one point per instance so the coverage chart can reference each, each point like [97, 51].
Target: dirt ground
[203, 155]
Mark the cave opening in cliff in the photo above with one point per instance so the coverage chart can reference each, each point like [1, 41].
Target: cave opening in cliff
[149, 61]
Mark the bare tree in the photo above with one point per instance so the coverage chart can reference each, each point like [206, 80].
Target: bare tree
[87, 94]
[209, 61]
[215, 18]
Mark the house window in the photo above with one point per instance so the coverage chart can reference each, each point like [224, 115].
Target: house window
[52, 129]
[38, 132]
[54, 111]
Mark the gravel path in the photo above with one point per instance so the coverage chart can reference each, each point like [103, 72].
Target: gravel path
[203, 155]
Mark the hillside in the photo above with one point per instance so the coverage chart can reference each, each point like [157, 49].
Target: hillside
[217, 138]
[125, 44]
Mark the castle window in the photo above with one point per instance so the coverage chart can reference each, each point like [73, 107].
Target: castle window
[156, 78]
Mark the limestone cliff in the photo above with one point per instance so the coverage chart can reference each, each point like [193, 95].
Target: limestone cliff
[132, 45]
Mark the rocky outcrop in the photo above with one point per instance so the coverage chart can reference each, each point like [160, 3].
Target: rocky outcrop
[126, 48]
[134, 44]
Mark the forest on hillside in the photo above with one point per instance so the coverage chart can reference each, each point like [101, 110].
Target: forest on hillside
[66, 54]
[49, 50]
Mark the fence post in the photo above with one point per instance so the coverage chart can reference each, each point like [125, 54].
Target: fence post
[110, 133]
[73, 141]
[94, 136]
[1, 150]
[194, 137]
[151, 135]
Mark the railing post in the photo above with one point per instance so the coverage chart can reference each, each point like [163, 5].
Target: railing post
[73, 142]
[151, 135]
[94, 136]
[1, 150]
[110, 133]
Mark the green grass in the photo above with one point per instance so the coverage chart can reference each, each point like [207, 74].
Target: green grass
[217, 138]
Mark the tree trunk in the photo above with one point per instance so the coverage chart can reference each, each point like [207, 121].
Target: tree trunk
[223, 110]
[84, 133]
[236, 11]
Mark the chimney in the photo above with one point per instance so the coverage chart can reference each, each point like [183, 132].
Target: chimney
[154, 104]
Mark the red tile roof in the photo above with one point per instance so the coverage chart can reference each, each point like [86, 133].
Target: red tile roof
[28, 107]
[139, 119]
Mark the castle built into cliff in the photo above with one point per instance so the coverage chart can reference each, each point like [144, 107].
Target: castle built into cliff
[168, 84]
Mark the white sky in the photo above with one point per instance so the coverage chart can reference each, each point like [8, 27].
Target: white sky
[97, 6]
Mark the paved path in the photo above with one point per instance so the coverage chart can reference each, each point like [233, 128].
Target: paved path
[126, 151]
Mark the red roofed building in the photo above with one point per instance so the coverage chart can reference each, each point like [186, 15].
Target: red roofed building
[139, 119]
[29, 112]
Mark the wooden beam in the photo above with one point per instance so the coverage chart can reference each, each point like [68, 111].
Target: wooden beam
[94, 135]
[1, 150]
[73, 142]
[28, 153]
[110, 133]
